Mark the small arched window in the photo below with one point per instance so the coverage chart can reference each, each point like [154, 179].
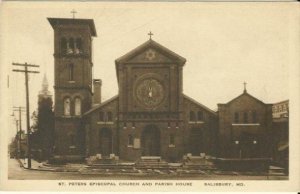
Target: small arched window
[172, 139]
[72, 139]
[70, 46]
[71, 42]
[77, 106]
[71, 72]
[236, 117]
[63, 45]
[78, 48]
[254, 118]
[109, 116]
[200, 116]
[192, 116]
[130, 140]
[67, 104]
[101, 116]
[245, 117]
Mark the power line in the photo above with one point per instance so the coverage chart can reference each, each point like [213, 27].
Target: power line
[26, 71]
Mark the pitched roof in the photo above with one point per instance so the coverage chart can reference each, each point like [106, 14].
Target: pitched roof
[199, 104]
[244, 93]
[150, 43]
[101, 105]
[59, 21]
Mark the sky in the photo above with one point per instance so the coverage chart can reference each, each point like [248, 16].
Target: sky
[225, 44]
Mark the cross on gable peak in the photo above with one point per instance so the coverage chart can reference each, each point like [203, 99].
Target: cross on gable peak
[245, 87]
[150, 35]
[73, 12]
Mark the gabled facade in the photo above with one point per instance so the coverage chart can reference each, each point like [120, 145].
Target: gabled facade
[150, 116]
[245, 126]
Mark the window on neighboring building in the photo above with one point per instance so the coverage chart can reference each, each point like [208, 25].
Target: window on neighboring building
[77, 106]
[67, 106]
[71, 72]
[200, 116]
[101, 116]
[172, 139]
[109, 116]
[236, 117]
[254, 119]
[245, 117]
[192, 116]
[130, 140]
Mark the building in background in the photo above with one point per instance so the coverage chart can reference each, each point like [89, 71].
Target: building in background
[280, 134]
[42, 136]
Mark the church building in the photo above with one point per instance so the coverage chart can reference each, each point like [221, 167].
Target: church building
[150, 115]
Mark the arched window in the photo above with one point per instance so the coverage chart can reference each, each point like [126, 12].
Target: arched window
[254, 119]
[71, 72]
[245, 117]
[200, 116]
[67, 103]
[78, 48]
[172, 139]
[130, 140]
[192, 116]
[63, 45]
[77, 106]
[72, 139]
[71, 41]
[109, 116]
[70, 46]
[236, 117]
[101, 116]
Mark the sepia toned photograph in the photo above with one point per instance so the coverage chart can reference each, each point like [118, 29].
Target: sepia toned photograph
[184, 92]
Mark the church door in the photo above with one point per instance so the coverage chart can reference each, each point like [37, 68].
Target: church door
[151, 141]
[105, 142]
[196, 142]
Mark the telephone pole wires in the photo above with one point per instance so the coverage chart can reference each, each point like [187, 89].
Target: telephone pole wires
[26, 71]
[19, 109]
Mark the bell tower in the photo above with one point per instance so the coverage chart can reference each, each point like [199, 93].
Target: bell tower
[72, 81]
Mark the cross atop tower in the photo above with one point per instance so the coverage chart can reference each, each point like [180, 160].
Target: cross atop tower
[73, 12]
[150, 35]
[245, 87]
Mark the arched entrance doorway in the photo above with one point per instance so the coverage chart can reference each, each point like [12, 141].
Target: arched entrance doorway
[196, 141]
[151, 141]
[105, 137]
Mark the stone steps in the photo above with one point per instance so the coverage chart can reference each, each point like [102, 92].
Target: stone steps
[274, 170]
[151, 162]
[110, 166]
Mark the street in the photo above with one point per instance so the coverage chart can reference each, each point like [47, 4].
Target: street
[18, 173]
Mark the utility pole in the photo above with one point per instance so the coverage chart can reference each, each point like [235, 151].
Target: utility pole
[17, 141]
[26, 71]
[20, 109]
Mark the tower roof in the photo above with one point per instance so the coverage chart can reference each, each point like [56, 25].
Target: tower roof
[45, 82]
[45, 86]
[69, 21]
